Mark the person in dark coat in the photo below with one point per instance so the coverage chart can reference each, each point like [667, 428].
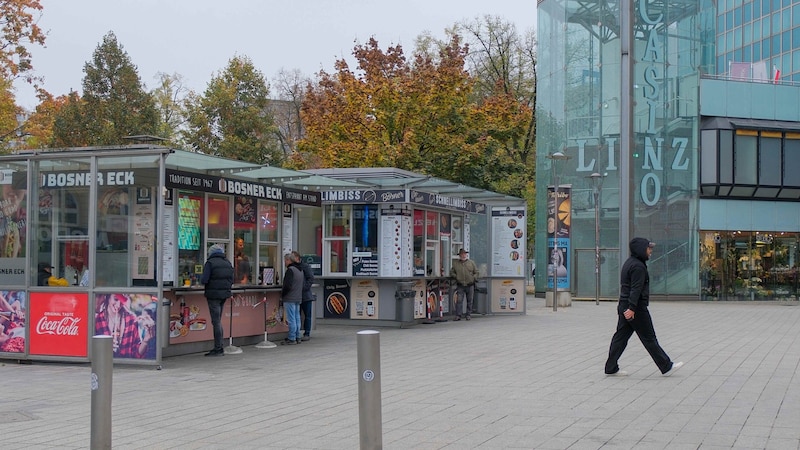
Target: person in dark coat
[307, 305]
[218, 279]
[632, 313]
[291, 296]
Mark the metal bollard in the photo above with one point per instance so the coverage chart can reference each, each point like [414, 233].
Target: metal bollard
[102, 371]
[369, 390]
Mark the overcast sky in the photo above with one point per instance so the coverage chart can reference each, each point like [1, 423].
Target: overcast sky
[196, 38]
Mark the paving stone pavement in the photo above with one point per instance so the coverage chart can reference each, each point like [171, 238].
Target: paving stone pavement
[531, 381]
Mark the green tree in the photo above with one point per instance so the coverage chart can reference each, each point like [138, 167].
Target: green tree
[116, 104]
[169, 97]
[69, 123]
[232, 118]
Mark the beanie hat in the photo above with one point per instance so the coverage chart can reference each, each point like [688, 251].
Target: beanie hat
[216, 248]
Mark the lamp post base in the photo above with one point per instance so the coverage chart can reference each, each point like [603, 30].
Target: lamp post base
[564, 299]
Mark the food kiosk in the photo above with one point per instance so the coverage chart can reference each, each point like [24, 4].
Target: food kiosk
[395, 241]
[112, 241]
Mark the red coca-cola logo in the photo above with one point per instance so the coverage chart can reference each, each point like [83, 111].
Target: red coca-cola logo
[66, 326]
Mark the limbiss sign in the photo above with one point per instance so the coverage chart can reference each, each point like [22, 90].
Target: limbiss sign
[59, 324]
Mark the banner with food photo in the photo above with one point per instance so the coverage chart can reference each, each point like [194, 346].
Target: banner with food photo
[12, 321]
[131, 321]
[337, 299]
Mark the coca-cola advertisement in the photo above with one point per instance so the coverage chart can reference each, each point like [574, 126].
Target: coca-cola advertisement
[130, 320]
[60, 324]
[12, 321]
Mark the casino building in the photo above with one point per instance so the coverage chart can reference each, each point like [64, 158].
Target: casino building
[678, 121]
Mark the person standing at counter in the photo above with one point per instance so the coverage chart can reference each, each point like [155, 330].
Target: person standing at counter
[241, 263]
[218, 279]
[465, 273]
[307, 304]
[292, 295]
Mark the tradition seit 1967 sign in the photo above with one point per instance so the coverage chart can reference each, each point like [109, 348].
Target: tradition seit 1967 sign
[231, 186]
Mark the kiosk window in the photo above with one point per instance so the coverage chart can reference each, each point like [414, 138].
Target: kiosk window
[190, 236]
[268, 254]
[61, 222]
[336, 238]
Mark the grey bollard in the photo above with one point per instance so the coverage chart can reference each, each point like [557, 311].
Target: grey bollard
[102, 370]
[369, 390]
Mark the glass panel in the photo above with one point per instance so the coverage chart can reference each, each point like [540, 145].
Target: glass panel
[746, 161]
[365, 221]
[709, 157]
[770, 162]
[61, 221]
[190, 236]
[419, 240]
[725, 157]
[431, 225]
[269, 271]
[13, 217]
[337, 220]
[219, 218]
[268, 221]
[791, 175]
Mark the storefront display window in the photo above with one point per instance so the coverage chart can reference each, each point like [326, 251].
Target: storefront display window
[337, 238]
[433, 264]
[244, 237]
[749, 265]
[218, 218]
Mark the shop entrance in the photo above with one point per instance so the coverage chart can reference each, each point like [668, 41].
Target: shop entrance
[749, 265]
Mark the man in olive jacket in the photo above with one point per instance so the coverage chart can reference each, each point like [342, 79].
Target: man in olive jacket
[218, 279]
[465, 273]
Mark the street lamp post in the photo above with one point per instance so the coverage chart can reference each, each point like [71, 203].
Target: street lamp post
[597, 184]
[556, 156]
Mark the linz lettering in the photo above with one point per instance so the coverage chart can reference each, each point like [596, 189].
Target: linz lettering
[73, 179]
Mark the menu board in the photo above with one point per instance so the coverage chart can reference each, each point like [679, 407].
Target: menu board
[395, 243]
[168, 243]
[364, 295]
[508, 241]
[143, 242]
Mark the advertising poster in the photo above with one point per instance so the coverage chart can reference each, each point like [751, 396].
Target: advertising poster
[60, 323]
[558, 232]
[508, 296]
[364, 294]
[391, 243]
[508, 241]
[433, 295]
[131, 321]
[420, 305]
[13, 225]
[167, 227]
[244, 314]
[12, 321]
[143, 241]
[337, 299]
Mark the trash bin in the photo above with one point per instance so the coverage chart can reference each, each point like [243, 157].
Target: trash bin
[480, 300]
[404, 295]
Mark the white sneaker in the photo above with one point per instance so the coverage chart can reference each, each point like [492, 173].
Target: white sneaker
[675, 366]
[619, 373]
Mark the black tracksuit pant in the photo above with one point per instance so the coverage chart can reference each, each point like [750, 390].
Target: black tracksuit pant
[642, 325]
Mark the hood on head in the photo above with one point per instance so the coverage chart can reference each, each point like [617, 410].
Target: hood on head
[638, 247]
[216, 248]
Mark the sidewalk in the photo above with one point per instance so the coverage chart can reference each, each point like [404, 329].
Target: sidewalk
[495, 382]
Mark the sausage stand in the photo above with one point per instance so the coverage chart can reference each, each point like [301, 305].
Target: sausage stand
[124, 233]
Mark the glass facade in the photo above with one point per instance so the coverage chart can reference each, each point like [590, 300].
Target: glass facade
[580, 101]
[764, 32]
[714, 185]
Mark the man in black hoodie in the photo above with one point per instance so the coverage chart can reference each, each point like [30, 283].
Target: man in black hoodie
[218, 279]
[633, 316]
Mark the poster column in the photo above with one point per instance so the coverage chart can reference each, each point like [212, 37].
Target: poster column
[558, 238]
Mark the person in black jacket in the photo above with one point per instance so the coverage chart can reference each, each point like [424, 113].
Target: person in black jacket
[218, 279]
[307, 305]
[632, 312]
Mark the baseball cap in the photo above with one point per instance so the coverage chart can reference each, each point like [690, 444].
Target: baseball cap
[44, 265]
